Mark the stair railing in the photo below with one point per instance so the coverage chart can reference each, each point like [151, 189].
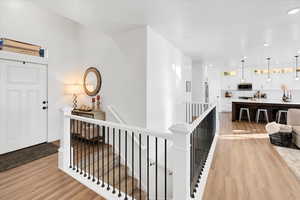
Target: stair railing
[94, 162]
[120, 120]
[192, 146]
[194, 109]
[88, 158]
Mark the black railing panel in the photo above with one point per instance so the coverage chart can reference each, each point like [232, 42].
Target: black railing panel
[99, 160]
[201, 141]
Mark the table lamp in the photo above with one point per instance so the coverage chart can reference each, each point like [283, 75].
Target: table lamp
[73, 89]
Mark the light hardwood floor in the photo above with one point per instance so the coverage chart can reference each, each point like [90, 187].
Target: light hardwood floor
[243, 168]
[243, 127]
[247, 167]
[42, 180]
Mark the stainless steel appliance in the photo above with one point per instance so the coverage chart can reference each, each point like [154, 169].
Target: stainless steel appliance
[245, 86]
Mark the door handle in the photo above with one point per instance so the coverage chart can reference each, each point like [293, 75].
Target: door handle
[45, 107]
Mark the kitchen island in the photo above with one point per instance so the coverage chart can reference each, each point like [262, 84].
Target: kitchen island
[272, 106]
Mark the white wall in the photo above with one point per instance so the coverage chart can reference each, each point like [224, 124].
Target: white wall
[260, 82]
[73, 48]
[198, 78]
[121, 59]
[167, 70]
[204, 73]
[214, 81]
[124, 59]
[22, 20]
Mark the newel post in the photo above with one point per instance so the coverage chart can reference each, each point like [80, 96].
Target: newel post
[64, 149]
[181, 157]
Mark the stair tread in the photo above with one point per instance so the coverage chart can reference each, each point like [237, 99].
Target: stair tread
[136, 194]
[109, 165]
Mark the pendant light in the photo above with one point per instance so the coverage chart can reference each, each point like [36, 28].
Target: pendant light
[269, 73]
[296, 68]
[243, 71]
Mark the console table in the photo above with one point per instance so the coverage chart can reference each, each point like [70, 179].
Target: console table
[84, 131]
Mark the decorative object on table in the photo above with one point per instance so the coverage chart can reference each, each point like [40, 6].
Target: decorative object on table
[228, 94]
[92, 81]
[98, 103]
[188, 86]
[85, 108]
[285, 91]
[257, 95]
[73, 89]
[21, 47]
[93, 103]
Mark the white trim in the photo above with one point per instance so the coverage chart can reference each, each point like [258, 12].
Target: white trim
[134, 129]
[115, 114]
[121, 121]
[10, 56]
[201, 188]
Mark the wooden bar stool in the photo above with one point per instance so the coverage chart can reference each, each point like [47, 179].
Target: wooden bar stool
[241, 113]
[265, 111]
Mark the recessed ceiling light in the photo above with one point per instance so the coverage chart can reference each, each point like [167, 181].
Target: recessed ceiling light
[266, 44]
[245, 57]
[298, 51]
[293, 11]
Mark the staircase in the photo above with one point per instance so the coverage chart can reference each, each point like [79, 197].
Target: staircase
[97, 160]
[120, 161]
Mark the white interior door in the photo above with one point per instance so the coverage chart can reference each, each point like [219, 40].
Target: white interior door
[23, 90]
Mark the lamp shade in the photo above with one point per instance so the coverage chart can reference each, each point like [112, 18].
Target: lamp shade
[71, 89]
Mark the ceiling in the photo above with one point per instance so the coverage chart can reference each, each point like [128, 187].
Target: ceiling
[215, 32]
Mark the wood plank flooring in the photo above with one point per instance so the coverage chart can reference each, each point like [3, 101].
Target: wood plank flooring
[243, 127]
[247, 167]
[243, 168]
[42, 180]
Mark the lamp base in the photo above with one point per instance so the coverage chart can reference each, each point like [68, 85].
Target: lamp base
[74, 101]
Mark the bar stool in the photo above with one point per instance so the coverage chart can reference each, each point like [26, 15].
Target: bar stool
[241, 113]
[258, 114]
[279, 113]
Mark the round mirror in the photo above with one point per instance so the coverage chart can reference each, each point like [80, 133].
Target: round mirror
[92, 81]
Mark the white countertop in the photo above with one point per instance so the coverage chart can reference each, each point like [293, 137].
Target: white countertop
[265, 101]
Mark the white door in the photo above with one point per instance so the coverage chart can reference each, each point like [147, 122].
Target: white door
[23, 94]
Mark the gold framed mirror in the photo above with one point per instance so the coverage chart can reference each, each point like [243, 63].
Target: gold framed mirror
[92, 81]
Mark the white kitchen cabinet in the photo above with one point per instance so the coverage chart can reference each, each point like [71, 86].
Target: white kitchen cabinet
[226, 104]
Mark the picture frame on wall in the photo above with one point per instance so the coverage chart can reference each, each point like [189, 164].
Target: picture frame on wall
[188, 86]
